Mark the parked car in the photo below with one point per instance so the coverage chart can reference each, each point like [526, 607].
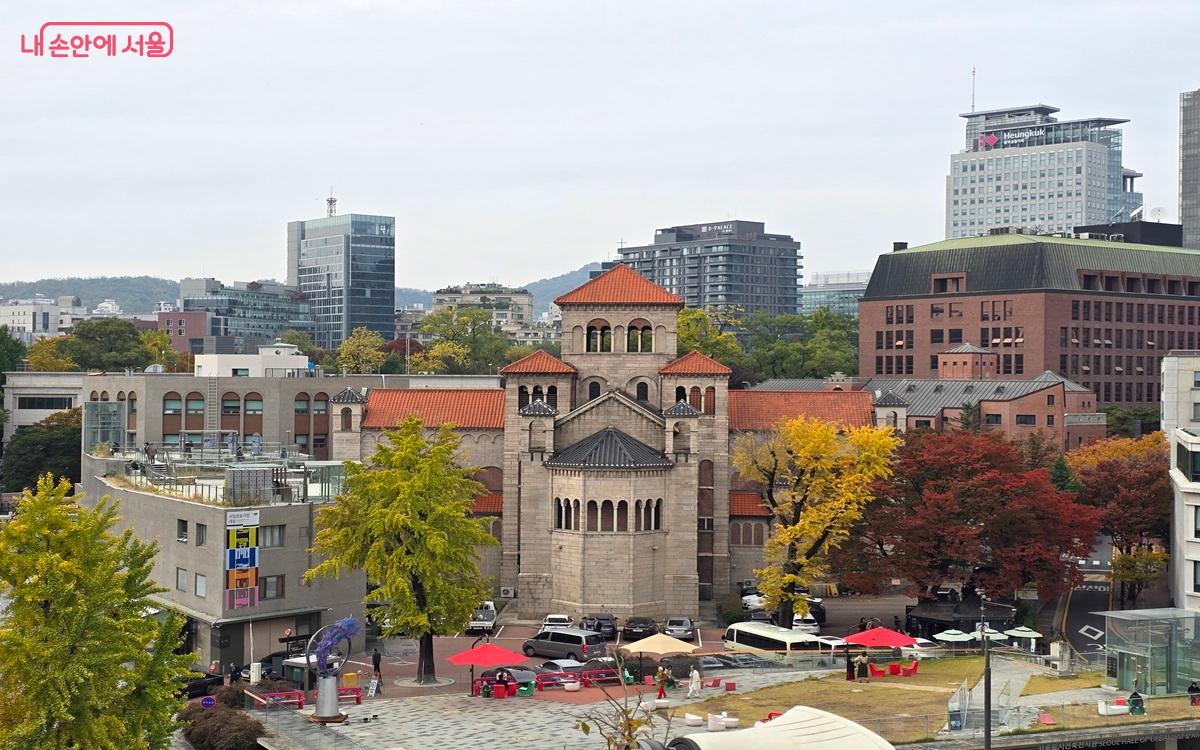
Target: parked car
[922, 648]
[638, 627]
[563, 665]
[202, 683]
[550, 622]
[566, 643]
[761, 615]
[681, 628]
[518, 675]
[603, 623]
[805, 624]
[482, 621]
[753, 600]
[831, 642]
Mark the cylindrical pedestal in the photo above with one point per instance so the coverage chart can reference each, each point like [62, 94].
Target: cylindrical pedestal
[327, 699]
[255, 673]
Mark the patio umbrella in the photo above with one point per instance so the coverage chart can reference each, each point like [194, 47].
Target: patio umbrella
[992, 635]
[953, 636]
[880, 638]
[485, 655]
[1024, 632]
[657, 646]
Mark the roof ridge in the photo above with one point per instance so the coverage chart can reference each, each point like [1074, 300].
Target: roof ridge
[619, 284]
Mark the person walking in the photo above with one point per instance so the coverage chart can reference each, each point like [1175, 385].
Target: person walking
[896, 624]
[849, 666]
[1194, 693]
[376, 673]
[862, 624]
[694, 683]
[660, 679]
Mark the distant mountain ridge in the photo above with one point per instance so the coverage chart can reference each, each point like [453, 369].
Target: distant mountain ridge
[141, 294]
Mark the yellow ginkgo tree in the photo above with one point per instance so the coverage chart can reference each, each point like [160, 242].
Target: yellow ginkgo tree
[816, 479]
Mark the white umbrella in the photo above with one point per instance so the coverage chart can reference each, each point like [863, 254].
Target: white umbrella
[1023, 632]
[952, 636]
[992, 635]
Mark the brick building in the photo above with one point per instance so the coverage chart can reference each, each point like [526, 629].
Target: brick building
[1099, 313]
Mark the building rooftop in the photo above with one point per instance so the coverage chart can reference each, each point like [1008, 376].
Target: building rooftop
[619, 285]
[694, 363]
[538, 408]
[681, 409]
[747, 504]
[1021, 262]
[609, 449]
[468, 408]
[1041, 109]
[539, 362]
[928, 397]
[491, 503]
[762, 410]
[967, 348]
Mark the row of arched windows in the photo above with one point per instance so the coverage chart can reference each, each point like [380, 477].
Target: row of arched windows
[103, 396]
[606, 515]
[525, 395]
[705, 402]
[639, 336]
[747, 533]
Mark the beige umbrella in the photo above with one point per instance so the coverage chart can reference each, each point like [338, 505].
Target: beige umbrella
[657, 646]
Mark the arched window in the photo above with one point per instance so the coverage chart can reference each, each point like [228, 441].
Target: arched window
[194, 403]
[120, 395]
[575, 515]
[593, 390]
[710, 400]
[680, 394]
[172, 403]
[706, 473]
[94, 397]
[552, 396]
[606, 515]
[103, 395]
[637, 515]
[522, 397]
[537, 436]
[558, 513]
[647, 339]
[643, 392]
[592, 516]
[300, 405]
[537, 393]
[658, 515]
[648, 516]
[735, 533]
[622, 516]
[599, 336]
[347, 419]
[633, 340]
[694, 398]
[132, 402]
[758, 534]
[640, 337]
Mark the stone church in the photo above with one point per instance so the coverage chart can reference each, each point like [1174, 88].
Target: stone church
[607, 469]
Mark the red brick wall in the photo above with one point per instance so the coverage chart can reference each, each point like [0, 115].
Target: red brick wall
[184, 326]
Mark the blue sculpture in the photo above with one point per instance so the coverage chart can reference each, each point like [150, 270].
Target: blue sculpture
[329, 638]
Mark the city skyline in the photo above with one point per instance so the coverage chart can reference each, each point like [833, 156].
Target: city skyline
[512, 127]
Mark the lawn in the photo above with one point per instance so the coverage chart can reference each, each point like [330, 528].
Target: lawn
[1083, 715]
[1046, 683]
[901, 709]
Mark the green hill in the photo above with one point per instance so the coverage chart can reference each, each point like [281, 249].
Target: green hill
[135, 294]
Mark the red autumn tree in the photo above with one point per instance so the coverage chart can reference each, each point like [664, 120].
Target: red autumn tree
[961, 507]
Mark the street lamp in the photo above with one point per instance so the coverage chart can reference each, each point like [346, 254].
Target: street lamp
[987, 674]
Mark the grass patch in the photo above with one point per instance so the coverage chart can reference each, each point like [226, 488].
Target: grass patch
[1046, 683]
[1084, 715]
[901, 709]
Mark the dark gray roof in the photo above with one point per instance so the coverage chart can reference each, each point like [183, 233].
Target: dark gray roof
[1053, 377]
[1012, 262]
[681, 409]
[928, 397]
[889, 398]
[967, 348]
[791, 384]
[349, 396]
[609, 449]
[538, 408]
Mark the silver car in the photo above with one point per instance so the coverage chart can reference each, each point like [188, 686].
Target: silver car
[680, 627]
[566, 643]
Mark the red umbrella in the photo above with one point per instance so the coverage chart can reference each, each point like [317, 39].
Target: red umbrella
[880, 637]
[486, 655]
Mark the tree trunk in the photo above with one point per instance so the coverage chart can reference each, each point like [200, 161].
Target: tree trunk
[425, 667]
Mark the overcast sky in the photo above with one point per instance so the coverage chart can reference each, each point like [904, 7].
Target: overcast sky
[515, 140]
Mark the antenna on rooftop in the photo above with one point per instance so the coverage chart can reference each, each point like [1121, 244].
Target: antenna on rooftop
[331, 203]
[972, 88]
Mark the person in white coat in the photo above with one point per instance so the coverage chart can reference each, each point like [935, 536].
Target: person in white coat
[694, 683]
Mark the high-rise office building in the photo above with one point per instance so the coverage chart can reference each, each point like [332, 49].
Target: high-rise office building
[345, 268]
[838, 292]
[1189, 167]
[1022, 167]
[722, 265]
[248, 313]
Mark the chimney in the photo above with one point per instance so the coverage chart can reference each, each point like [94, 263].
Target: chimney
[899, 246]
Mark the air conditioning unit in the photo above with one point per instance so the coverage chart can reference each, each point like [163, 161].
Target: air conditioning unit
[508, 592]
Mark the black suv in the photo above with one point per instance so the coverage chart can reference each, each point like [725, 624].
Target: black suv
[602, 623]
[638, 627]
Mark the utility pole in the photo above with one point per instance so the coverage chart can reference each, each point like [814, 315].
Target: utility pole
[987, 676]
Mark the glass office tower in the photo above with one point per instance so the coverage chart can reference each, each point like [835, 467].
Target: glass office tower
[345, 268]
[1189, 167]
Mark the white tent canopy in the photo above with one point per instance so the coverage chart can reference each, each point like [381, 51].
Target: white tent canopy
[953, 636]
[1023, 632]
[799, 727]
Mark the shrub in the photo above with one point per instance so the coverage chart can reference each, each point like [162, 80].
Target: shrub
[221, 728]
[230, 695]
[731, 609]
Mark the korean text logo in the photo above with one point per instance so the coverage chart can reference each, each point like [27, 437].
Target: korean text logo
[73, 39]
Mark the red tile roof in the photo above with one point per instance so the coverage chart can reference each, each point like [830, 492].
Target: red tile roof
[747, 504]
[695, 363]
[619, 285]
[540, 362]
[464, 407]
[762, 410]
[491, 504]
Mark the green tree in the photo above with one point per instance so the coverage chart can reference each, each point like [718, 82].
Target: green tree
[51, 445]
[1132, 421]
[403, 520]
[1061, 476]
[158, 344]
[362, 352]
[970, 418]
[300, 340]
[11, 352]
[816, 478]
[46, 355]
[83, 665]
[444, 357]
[470, 327]
[393, 365]
[801, 346]
[705, 332]
[1137, 570]
[106, 344]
